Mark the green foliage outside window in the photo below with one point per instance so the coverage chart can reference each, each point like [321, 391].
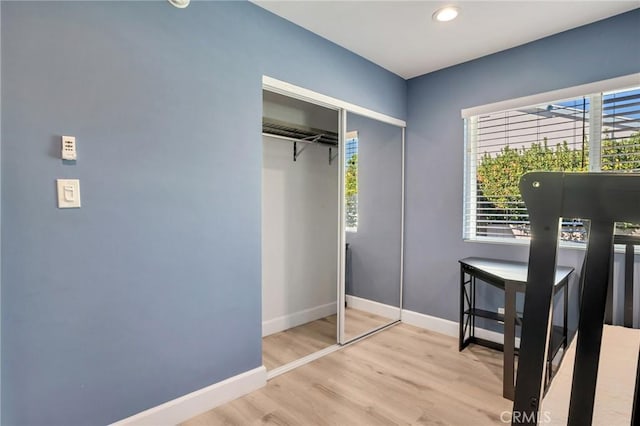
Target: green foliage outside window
[499, 175]
[351, 192]
[352, 176]
[621, 155]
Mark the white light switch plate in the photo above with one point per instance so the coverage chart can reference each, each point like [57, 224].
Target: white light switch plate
[68, 193]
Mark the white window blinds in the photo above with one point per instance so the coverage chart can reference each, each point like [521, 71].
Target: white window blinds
[620, 131]
[597, 132]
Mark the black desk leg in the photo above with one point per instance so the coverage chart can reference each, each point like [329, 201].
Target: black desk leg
[467, 303]
[629, 258]
[472, 306]
[462, 296]
[594, 297]
[508, 385]
[565, 317]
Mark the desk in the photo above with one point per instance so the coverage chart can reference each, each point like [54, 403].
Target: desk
[511, 277]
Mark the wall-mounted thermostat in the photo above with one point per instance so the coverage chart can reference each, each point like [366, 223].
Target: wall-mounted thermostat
[69, 148]
[68, 193]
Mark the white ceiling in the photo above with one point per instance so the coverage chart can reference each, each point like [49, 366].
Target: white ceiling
[401, 36]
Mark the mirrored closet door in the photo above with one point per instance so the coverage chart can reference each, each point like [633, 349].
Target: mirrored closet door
[373, 225]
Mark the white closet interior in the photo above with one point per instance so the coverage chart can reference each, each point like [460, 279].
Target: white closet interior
[300, 198]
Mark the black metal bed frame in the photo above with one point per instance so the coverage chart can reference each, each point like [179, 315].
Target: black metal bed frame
[603, 199]
[629, 242]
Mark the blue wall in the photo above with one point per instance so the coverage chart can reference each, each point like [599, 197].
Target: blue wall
[152, 289]
[435, 147]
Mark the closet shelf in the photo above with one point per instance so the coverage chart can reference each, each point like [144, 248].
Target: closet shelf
[299, 133]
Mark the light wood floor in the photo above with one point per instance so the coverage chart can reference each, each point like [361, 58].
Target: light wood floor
[286, 346]
[403, 375]
[358, 322]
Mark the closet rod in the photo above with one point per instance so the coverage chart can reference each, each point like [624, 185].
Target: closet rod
[303, 140]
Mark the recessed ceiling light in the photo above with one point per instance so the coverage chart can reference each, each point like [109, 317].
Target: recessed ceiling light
[180, 3]
[445, 14]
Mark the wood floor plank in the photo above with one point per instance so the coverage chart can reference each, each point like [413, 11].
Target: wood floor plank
[358, 322]
[286, 346]
[401, 376]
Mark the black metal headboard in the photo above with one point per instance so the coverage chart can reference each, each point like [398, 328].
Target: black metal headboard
[629, 242]
[603, 199]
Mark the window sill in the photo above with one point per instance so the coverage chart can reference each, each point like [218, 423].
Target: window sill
[525, 242]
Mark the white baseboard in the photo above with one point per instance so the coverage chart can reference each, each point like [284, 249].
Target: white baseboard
[302, 361]
[185, 407]
[376, 308]
[295, 319]
[447, 327]
[439, 325]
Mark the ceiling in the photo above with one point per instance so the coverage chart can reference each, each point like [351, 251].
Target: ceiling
[402, 37]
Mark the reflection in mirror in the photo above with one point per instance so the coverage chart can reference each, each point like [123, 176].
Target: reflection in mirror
[373, 224]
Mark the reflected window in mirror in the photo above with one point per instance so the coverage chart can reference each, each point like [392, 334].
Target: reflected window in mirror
[351, 181]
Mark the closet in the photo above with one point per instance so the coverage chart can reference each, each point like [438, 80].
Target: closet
[332, 224]
[300, 197]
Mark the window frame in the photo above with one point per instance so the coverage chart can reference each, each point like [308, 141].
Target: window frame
[594, 91]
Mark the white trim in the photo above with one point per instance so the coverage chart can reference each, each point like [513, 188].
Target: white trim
[295, 319]
[563, 245]
[439, 325]
[470, 186]
[342, 236]
[595, 133]
[494, 336]
[284, 88]
[301, 361]
[402, 228]
[623, 82]
[185, 407]
[376, 308]
[448, 327]
[361, 336]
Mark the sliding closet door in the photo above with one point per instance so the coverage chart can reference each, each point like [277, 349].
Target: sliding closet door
[373, 214]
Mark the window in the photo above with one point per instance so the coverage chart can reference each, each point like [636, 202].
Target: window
[598, 133]
[351, 181]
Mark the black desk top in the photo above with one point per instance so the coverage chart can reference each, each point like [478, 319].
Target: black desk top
[508, 270]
